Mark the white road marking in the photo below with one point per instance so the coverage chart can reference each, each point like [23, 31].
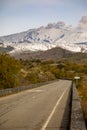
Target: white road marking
[51, 114]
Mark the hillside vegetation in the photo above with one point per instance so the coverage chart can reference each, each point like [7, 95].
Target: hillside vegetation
[18, 72]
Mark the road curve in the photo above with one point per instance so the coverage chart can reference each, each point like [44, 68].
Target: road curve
[41, 108]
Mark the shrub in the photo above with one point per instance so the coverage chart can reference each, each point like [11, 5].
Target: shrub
[9, 69]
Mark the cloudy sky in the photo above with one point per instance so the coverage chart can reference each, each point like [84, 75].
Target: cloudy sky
[21, 15]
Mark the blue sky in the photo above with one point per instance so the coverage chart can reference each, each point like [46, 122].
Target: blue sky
[21, 15]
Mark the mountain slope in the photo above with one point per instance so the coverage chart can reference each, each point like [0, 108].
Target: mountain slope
[53, 54]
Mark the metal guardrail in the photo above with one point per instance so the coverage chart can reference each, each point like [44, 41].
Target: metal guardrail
[9, 91]
[77, 119]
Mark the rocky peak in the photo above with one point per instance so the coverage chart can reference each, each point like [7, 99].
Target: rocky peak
[60, 24]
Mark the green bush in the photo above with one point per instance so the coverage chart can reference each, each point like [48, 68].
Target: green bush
[33, 77]
[9, 70]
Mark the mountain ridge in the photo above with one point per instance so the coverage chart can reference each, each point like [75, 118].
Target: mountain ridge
[45, 38]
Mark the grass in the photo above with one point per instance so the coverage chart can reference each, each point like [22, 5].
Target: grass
[83, 95]
[84, 107]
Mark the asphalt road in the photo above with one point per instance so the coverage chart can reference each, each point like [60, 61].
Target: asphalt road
[43, 108]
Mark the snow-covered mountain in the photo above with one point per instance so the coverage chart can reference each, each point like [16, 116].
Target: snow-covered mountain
[53, 35]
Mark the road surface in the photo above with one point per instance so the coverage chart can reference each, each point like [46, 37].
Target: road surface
[42, 108]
